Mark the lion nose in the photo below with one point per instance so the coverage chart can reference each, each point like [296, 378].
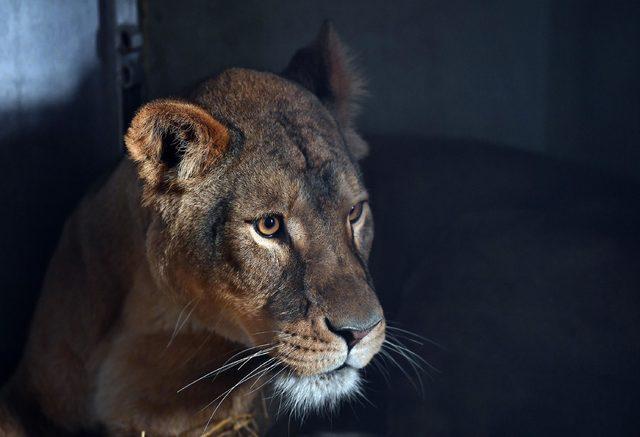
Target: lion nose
[352, 334]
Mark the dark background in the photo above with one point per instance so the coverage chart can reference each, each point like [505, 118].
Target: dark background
[555, 77]
[504, 168]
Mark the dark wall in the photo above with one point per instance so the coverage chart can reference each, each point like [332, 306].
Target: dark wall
[558, 77]
[593, 97]
[59, 132]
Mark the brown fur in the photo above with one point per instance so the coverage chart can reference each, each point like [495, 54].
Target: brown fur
[201, 139]
[159, 277]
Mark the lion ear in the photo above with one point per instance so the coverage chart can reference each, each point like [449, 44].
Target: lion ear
[173, 141]
[325, 68]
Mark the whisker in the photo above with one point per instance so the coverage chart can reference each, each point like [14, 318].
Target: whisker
[280, 395]
[247, 350]
[267, 350]
[245, 378]
[405, 349]
[228, 392]
[269, 380]
[359, 394]
[197, 350]
[387, 355]
[405, 337]
[404, 353]
[262, 373]
[378, 364]
[242, 361]
[410, 333]
[178, 325]
[272, 332]
[224, 367]
[414, 365]
[285, 354]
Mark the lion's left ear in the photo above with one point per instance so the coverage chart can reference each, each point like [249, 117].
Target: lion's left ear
[325, 69]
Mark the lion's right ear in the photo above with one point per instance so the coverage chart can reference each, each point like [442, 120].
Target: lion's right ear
[173, 142]
[325, 69]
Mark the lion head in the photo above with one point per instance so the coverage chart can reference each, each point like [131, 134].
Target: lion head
[259, 213]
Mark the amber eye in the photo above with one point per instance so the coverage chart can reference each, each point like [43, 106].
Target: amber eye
[356, 212]
[268, 226]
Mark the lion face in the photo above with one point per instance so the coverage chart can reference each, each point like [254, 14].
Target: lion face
[259, 214]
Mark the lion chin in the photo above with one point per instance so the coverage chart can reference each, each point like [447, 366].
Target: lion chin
[317, 393]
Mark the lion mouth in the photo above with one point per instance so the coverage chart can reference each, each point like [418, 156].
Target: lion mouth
[317, 393]
[343, 366]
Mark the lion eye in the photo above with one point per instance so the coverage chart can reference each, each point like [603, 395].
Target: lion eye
[356, 212]
[268, 226]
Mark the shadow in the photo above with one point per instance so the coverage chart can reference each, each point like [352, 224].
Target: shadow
[56, 152]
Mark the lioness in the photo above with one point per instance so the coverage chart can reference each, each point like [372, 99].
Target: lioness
[239, 221]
